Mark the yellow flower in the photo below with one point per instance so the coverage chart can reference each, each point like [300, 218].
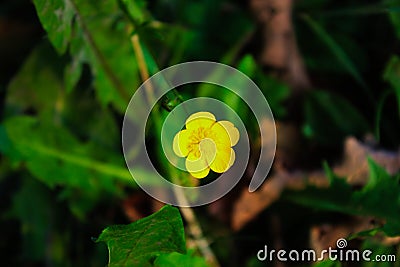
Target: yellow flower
[206, 144]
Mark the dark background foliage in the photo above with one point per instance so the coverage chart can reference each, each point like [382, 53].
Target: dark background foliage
[68, 69]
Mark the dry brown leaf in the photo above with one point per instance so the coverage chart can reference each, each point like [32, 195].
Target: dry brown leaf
[251, 204]
[355, 165]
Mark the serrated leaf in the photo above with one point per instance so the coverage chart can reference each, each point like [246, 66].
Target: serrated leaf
[139, 243]
[56, 158]
[93, 38]
[368, 201]
[49, 142]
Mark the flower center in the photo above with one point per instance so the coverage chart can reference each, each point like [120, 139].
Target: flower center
[199, 134]
[202, 144]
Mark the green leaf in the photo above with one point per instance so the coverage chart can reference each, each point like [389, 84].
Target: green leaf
[49, 142]
[176, 259]
[56, 17]
[247, 65]
[329, 118]
[72, 74]
[392, 75]
[7, 148]
[96, 36]
[37, 85]
[276, 92]
[366, 233]
[139, 243]
[136, 10]
[378, 248]
[56, 158]
[53, 139]
[368, 201]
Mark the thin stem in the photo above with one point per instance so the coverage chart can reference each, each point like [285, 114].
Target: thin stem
[187, 212]
[144, 73]
[194, 227]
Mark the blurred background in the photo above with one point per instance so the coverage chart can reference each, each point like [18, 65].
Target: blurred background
[329, 69]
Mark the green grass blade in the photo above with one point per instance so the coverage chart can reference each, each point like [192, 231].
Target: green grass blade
[337, 51]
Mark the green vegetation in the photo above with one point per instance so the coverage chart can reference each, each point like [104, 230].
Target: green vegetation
[70, 67]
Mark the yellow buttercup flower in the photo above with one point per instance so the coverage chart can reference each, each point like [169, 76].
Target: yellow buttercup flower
[206, 144]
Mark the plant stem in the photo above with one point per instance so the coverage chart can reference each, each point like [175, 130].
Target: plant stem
[187, 212]
[195, 229]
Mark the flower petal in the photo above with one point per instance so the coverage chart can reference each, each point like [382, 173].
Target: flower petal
[200, 120]
[223, 160]
[220, 135]
[201, 174]
[197, 168]
[232, 131]
[181, 143]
